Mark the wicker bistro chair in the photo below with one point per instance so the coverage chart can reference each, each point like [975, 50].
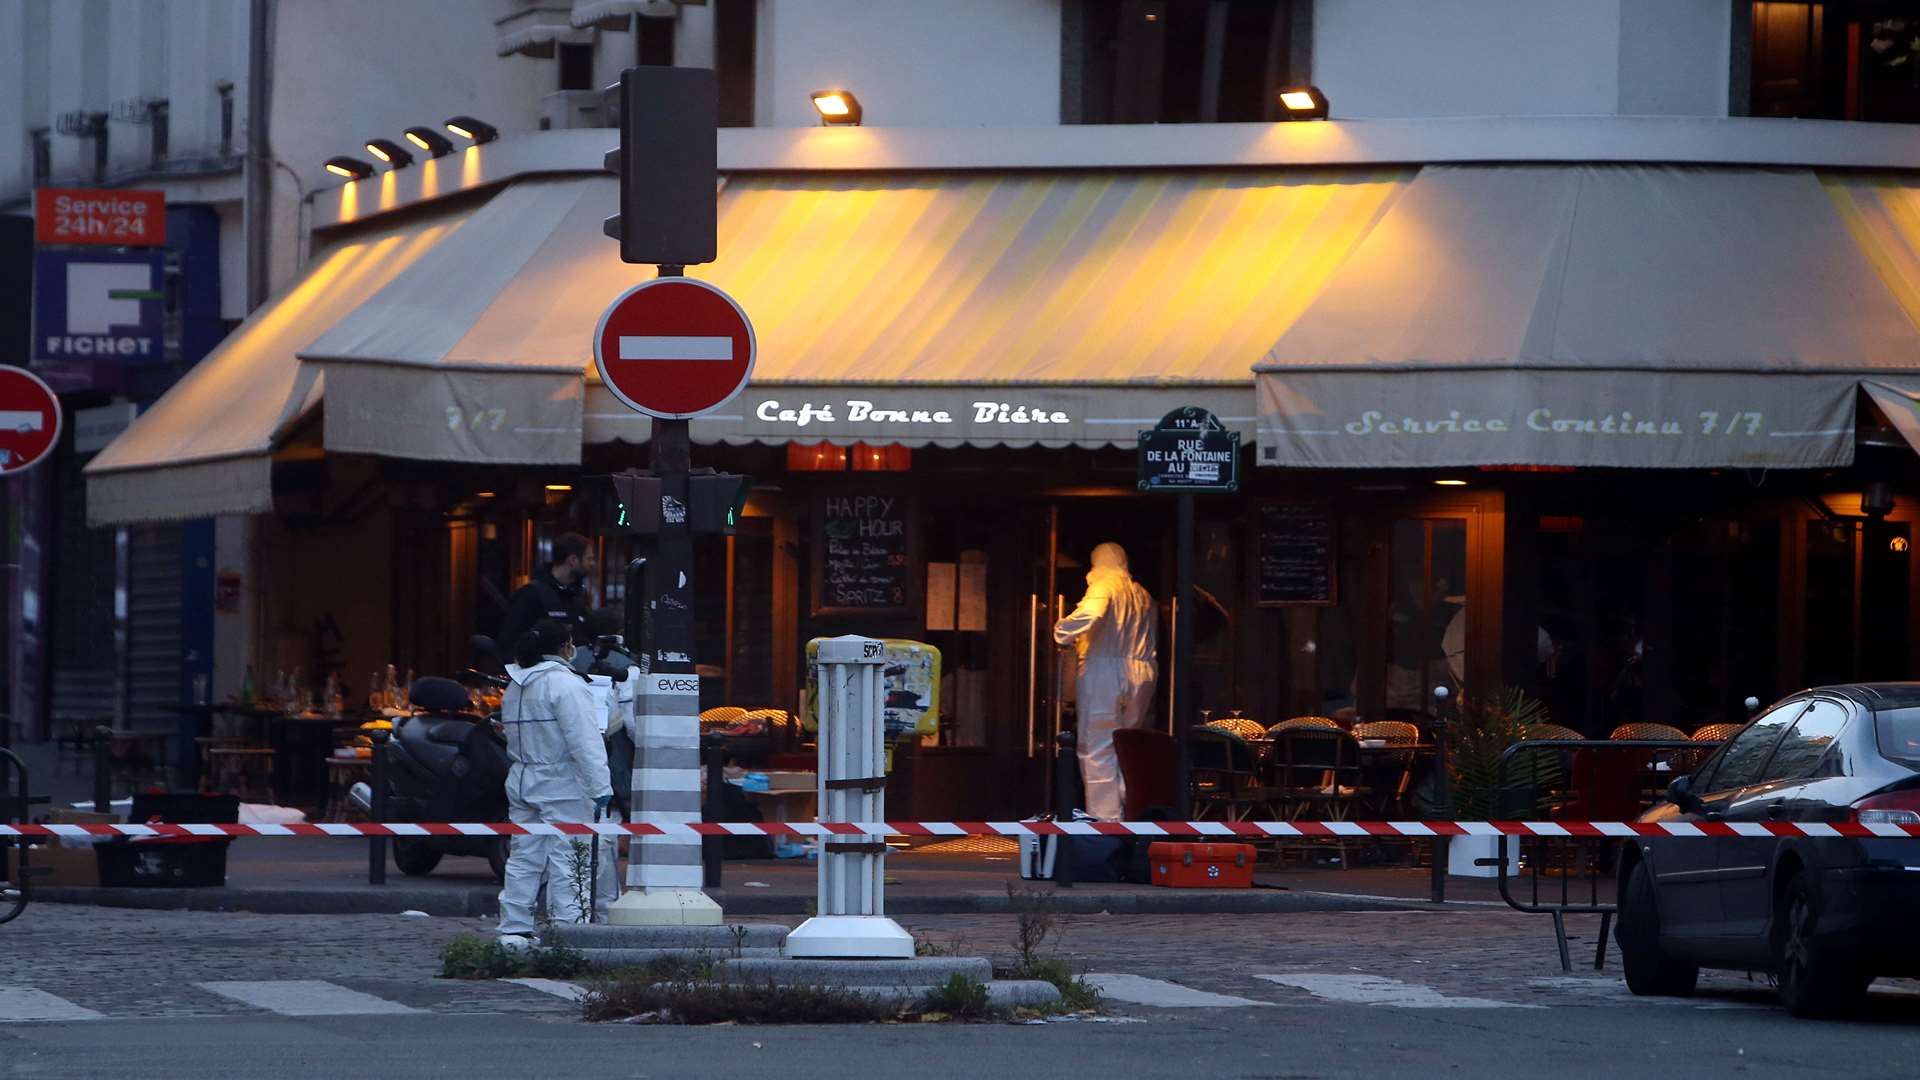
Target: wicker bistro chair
[1716, 733]
[1225, 775]
[1238, 725]
[1552, 731]
[722, 716]
[1646, 731]
[1389, 775]
[1322, 723]
[1318, 769]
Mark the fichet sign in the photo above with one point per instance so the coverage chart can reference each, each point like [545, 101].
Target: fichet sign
[1189, 451]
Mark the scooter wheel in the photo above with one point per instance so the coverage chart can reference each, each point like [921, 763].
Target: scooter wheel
[414, 858]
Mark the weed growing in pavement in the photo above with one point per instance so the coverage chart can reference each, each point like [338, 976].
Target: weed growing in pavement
[687, 992]
[472, 956]
[580, 877]
[962, 997]
[1035, 911]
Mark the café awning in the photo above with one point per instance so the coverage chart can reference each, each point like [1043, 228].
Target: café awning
[984, 309]
[1601, 315]
[206, 446]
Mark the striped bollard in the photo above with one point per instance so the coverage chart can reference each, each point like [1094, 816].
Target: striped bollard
[851, 697]
[663, 872]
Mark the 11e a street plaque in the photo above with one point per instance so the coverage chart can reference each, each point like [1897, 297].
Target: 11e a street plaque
[1189, 451]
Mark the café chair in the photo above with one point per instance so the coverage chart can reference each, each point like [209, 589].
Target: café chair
[1224, 774]
[1323, 723]
[1318, 769]
[1238, 725]
[1716, 733]
[1147, 760]
[1554, 732]
[1646, 731]
[1389, 775]
[1395, 732]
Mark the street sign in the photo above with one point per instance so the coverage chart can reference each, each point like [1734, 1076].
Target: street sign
[91, 216]
[29, 420]
[1189, 451]
[674, 348]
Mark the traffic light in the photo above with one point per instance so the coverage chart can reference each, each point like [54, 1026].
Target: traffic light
[668, 166]
[718, 500]
[627, 503]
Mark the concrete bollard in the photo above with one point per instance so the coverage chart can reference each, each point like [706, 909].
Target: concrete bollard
[663, 872]
[852, 921]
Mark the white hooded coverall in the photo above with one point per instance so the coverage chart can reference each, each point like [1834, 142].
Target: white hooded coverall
[554, 721]
[1120, 631]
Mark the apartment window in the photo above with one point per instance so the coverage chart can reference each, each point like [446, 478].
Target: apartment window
[1839, 60]
[160, 132]
[576, 67]
[42, 156]
[736, 23]
[653, 42]
[1179, 61]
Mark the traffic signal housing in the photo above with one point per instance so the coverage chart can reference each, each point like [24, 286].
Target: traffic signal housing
[668, 164]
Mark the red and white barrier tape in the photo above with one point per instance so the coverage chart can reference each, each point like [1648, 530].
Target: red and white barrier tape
[1186, 830]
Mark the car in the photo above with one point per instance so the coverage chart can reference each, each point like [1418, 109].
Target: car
[1824, 916]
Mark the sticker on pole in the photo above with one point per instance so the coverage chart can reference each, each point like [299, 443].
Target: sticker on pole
[674, 348]
[29, 420]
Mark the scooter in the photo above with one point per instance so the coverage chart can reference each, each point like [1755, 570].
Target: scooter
[444, 764]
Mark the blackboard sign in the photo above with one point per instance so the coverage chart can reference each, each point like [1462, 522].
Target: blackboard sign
[863, 555]
[1299, 559]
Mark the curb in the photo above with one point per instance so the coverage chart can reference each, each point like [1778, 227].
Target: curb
[483, 901]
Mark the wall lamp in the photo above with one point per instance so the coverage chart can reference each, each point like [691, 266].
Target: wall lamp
[837, 107]
[475, 131]
[349, 167]
[1304, 103]
[395, 155]
[430, 141]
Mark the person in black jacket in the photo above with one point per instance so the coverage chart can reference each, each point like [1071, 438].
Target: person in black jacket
[556, 591]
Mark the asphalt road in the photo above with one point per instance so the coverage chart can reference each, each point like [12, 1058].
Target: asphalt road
[1470, 990]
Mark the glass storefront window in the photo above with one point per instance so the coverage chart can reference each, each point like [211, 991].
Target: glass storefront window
[1427, 610]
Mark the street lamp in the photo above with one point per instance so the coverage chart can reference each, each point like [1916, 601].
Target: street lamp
[349, 167]
[395, 155]
[837, 107]
[430, 141]
[1304, 103]
[475, 131]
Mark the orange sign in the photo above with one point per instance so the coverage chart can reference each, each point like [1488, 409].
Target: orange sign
[99, 216]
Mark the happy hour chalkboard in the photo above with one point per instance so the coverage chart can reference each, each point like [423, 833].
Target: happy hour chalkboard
[863, 554]
[1297, 555]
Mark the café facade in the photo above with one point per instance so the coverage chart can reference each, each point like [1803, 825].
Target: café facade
[1621, 412]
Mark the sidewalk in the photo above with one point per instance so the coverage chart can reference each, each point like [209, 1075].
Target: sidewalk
[315, 876]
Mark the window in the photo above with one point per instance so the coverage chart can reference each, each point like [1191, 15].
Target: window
[1740, 763]
[159, 128]
[1802, 749]
[1178, 61]
[42, 156]
[653, 42]
[1837, 60]
[736, 23]
[576, 67]
[1899, 732]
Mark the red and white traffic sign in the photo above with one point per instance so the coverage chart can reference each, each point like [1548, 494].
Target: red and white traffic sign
[674, 348]
[29, 420]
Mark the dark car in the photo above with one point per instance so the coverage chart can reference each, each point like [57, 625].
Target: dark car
[1824, 915]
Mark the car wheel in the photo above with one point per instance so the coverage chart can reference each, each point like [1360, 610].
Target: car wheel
[1813, 979]
[414, 858]
[1650, 970]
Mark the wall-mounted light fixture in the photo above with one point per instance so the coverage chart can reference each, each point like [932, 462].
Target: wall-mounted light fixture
[349, 167]
[837, 107]
[431, 142]
[475, 131]
[1304, 103]
[395, 155]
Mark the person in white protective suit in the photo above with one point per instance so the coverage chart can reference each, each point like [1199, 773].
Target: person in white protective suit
[555, 722]
[1118, 632]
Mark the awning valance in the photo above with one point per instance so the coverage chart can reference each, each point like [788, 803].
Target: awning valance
[1637, 316]
[941, 309]
[617, 14]
[205, 447]
[535, 29]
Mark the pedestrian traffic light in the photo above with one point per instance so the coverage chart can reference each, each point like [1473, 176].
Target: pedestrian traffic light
[717, 499]
[627, 503]
[668, 166]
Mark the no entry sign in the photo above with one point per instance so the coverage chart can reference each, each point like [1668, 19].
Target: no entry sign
[29, 420]
[674, 348]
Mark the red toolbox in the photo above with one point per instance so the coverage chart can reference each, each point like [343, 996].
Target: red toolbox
[1202, 866]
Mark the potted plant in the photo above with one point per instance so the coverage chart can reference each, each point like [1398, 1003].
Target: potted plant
[1476, 740]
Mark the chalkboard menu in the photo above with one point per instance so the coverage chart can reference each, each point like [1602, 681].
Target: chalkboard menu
[863, 554]
[1298, 555]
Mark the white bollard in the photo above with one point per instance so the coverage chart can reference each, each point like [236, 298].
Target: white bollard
[663, 872]
[852, 921]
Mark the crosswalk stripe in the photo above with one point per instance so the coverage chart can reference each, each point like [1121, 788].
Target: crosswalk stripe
[23, 1004]
[1140, 990]
[304, 997]
[1379, 990]
[559, 989]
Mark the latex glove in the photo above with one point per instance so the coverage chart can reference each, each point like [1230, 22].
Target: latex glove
[601, 803]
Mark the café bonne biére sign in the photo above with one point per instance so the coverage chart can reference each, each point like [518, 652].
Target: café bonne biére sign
[859, 410]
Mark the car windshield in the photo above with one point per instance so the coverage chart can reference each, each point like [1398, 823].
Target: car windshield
[1899, 731]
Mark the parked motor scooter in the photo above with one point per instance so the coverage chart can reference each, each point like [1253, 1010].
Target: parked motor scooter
[445, 763]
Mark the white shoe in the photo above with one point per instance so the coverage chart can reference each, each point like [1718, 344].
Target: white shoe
[516, 943]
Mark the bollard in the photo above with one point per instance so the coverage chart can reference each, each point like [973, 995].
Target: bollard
[377, 780]
[851, 878]
[1066, 790]
[1443, 793]
[713, 747]
[102, 770]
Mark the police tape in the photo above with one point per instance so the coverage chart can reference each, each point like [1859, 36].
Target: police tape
[1184, 830]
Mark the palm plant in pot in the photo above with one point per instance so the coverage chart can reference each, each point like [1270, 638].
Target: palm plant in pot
[1477, 739]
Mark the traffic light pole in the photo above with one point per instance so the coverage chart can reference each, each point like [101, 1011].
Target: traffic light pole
[664, 872]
